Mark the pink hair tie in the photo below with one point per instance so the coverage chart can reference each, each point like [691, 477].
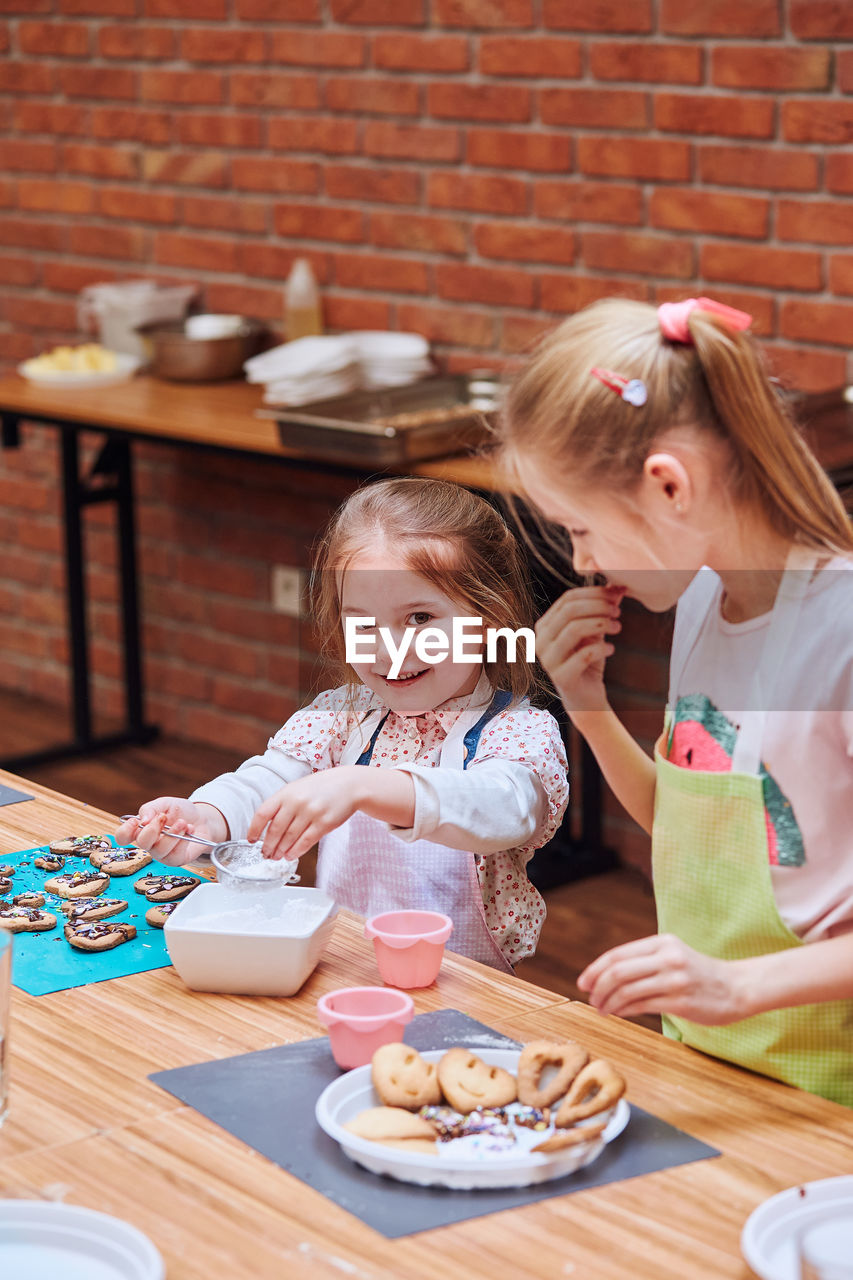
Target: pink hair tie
[672, 317]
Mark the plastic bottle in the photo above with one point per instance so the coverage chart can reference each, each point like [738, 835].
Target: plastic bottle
[302, 310]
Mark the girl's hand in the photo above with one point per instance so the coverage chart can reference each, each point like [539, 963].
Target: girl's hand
[571, 644]
[661, 974]
[303, 811]
[183, 818]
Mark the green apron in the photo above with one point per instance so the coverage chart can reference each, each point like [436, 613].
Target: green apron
[713, 887]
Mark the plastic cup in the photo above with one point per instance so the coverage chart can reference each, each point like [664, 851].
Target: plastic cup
[409, 946]
[361, 1019]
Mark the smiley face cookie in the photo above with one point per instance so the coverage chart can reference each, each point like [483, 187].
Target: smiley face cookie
[402, 1078]
[468, 1082]
[157, 915]
[88, 936]
[120, 862]
[92, 908]
[25, 920]
[50, 861]
[165, 888]
[80, 846]
[78, 884]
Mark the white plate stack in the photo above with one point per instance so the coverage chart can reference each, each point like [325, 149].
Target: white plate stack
[390, 359]
[307, 369]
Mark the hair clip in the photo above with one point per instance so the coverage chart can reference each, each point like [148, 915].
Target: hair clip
[631, 390]
[673, 316]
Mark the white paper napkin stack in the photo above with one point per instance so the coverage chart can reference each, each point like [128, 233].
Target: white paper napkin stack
[307, 369]
[391, 359]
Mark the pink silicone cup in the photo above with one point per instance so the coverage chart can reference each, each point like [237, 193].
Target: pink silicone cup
[409, 946]
[361, 1019]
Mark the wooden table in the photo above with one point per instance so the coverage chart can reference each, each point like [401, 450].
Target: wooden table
[88, 1127]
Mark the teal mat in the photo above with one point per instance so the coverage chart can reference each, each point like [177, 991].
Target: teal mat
[45, 962]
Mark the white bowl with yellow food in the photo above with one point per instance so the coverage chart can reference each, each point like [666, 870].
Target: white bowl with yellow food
[89, 365]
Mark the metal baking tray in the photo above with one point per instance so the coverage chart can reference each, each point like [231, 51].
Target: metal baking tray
[433, 418]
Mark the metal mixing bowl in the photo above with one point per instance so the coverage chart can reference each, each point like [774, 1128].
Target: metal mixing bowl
[178, 358]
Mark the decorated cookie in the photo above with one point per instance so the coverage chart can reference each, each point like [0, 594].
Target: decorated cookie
[87, 936]
[6, 869]
[31, 899]
[80, 846]
[157, 915]
[25, 920]
[165, 888]
[92, 908]
[5, 884]
[78, 884]
[49, 861]
[121, 862]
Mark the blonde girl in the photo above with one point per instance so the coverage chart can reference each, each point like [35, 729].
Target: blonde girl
[466, 779]
[655, 437]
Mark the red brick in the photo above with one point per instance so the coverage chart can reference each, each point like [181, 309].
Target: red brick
[259, 173]
[841, 273]
[28, 312]
[29, 234]
[44, 195]
[595, 108]
[385, 186]
[17, 270]
[807, 369]
[25, 156]
[379, 12]
[189, 88]
[174, 249]
[105, 8]
[524, 242]
[153, 127]
[137, 206]
[273, 262]
[758, 167]
[720, 18]
[817, 221]
[546, 56]
[4, 37]
[638, 252]
[839, 173]
[417, 231]
[54, 118]
[373, 95]
[455, 325]
[279, 10]
[197, 9]
[589, 202]
[732, 117]
[761, 265]
[410, 141]
[459, 282]
[27, 77]
[521, 333]
[216, 44]
[844, 70]
[133, 41]
[400, 52]
[100, 162]
[241, 299]
[185, 168]
[810, 120]
[128, 243]
[646, 62]
[449, 101]
[480, 192]
[751, 67]
[266, 89]
[822, 19]
[229, 130]
[599, 16]
[328, 134]
[319, 222]
[56, 39]
[682, 209]
[318, 48]
[822, 322]
[531, 151]
[573, 293]
[225, 213]
[98, 82]
[758, 305]
[71, 277]
[647, 158]
[483, 13]
[26, 6]
[344, 312]
[379, 271]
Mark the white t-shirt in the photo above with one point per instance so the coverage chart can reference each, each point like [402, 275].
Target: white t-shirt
[808, 737]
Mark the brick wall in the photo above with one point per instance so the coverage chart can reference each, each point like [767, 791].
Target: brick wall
[473, 169]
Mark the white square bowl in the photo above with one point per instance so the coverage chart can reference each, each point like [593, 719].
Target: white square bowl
[249, 942]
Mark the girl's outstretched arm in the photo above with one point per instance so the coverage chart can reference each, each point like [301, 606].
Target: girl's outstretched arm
[572, 645]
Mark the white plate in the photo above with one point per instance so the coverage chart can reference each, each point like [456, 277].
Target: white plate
[769, 1240]
[43, 1240]
[126, 367]
[348, 1096]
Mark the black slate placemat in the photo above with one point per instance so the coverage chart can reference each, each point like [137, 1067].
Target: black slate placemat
[8, 795]
[267, 1100]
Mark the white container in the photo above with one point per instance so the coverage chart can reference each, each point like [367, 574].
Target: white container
[117, 310]
[250, 942]
[212, 326]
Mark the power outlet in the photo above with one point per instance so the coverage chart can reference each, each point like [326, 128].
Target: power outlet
[288, 585]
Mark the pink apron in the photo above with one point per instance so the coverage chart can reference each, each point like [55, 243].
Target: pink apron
[367, 869]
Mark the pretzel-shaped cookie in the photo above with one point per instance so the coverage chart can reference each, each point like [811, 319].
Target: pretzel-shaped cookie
[568, 1058]
[571, 1137]
[468, 1082]
[402, 1078]
[596, 1088]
